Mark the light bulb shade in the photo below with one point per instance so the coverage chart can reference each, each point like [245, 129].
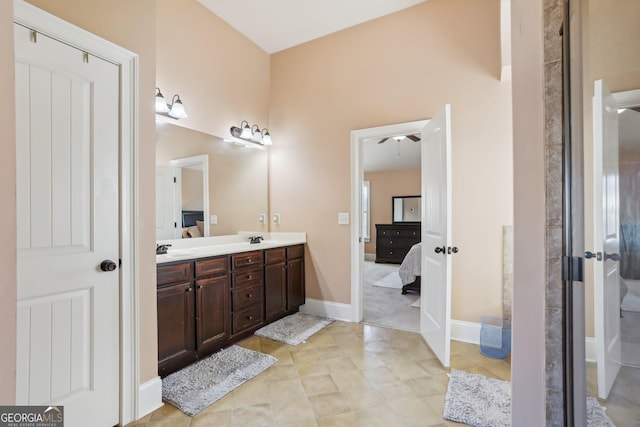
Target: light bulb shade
[177, 109]
[266, 138]
[161, 104]
[246, 131]
[256, 135]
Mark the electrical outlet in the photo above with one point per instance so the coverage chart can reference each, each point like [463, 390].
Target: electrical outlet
[276, 218]
[262, 219]
[213, 219]
[343, 218]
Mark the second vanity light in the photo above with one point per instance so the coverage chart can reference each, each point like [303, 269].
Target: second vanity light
[251, 133]
[175, 109]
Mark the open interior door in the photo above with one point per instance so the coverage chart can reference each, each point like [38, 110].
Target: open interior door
[435, 312]
[606, 237]
[168, 220]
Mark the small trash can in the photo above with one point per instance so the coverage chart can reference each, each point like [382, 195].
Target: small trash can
[495, 337]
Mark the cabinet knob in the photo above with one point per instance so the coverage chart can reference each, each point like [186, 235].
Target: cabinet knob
[391, 242]
[250, 318]
[249, 296]
[199, 286]
[188, 290]
[397, 232]
[249, 276]
[390, 252]
[249, 260]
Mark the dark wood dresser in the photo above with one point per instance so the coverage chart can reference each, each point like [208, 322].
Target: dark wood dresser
[393, 241]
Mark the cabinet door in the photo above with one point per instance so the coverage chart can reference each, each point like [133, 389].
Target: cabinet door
[295, 284]
[212, 311]
[175, 323]
[275, 283]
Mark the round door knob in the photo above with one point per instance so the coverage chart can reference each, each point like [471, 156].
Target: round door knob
[454, 250]
[440, 250]
[612, 257]
[108, 265]
[596, 255]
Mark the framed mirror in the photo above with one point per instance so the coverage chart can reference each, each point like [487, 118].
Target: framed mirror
[406, 209]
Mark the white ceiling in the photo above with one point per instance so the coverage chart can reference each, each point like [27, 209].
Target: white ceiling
[275, 25]
[390, 155]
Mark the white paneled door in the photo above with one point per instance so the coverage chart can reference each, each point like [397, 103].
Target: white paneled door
[435, 311]
[168, 220]
[67, 136]
[606, 237]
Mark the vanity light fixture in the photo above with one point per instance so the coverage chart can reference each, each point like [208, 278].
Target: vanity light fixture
[251, 134]
[175, 109]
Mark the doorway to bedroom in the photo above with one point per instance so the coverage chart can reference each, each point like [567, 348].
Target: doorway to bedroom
[390, 227]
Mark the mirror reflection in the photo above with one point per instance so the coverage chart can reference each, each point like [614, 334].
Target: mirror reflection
[206, 186]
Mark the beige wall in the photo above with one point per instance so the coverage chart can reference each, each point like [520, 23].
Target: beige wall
[608, 23]
[402, 67]
[192, 190]
[385, 185]
[131, 24]
[7, 215]
[220, 75]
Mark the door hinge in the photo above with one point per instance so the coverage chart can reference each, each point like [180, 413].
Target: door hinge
[175, 180]
[175, 225]
[572, 269]
[119, 262]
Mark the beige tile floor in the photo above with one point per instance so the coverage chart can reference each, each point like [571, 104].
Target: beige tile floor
[348, 374]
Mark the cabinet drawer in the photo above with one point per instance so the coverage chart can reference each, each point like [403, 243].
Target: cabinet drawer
[273, 256]
[173, 273]
[295, 252]
[391, 242]
[212, 266]
[391, 254]
[248, 318]
[245, 259]
[247, 277]
[246, 296]
[398, 233]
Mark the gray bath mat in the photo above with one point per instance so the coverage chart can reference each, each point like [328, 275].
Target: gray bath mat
[294, 329]
[486, 402]
[197, 386]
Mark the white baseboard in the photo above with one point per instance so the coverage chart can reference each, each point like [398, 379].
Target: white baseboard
[334, 310]
[149, 397]
[590, 349]
[465, 331]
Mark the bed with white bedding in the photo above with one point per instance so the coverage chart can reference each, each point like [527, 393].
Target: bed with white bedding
[410, 269]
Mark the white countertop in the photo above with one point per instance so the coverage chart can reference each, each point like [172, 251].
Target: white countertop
[201, 247]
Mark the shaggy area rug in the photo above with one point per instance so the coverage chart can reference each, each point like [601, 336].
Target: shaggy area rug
[486, 402]
[197, 386]
[294, 329]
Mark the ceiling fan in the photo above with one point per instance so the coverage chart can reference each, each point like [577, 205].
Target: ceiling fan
[414, 138]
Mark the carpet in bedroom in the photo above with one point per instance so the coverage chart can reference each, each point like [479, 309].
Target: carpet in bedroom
[387, 306]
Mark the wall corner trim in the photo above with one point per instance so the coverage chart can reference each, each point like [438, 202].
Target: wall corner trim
[150, 397]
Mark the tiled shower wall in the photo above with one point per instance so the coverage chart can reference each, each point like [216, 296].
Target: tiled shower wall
[553, 15]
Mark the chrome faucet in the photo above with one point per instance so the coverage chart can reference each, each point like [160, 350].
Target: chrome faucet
[162, 249]
[255, 239]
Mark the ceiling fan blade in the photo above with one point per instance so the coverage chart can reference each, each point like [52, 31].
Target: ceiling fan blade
[414, 138]
[382, 140]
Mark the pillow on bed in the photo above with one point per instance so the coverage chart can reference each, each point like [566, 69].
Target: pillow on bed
[193, 231]
[200, 225]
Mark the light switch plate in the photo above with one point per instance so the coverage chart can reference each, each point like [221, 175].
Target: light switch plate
[213, 219]
[343, 218]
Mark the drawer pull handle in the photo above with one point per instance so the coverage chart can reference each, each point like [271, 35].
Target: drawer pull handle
[249, 276]
[249, 296]
[249, 260]
[250, 318]
[391, 242]
[188, 290]
[390, 252]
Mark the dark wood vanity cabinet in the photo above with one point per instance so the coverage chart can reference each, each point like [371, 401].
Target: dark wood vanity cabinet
[207, 304]
[275, 282]
[193, 311]
[284, 281]
[295, 278]
[247, 291]
[393, 241]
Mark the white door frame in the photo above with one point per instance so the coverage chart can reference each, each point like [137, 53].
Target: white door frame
[357, 176]
[54, 27]
[203, 161]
